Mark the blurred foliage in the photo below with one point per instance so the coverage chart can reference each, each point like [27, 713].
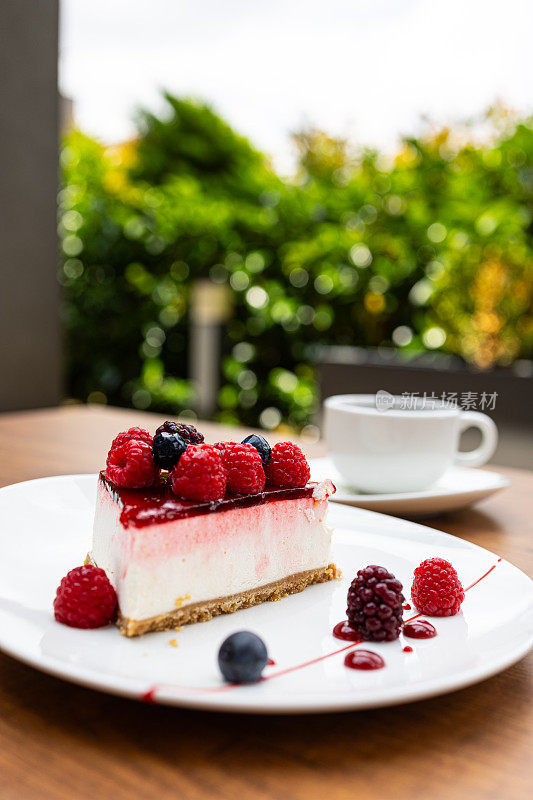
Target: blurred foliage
[429, 249]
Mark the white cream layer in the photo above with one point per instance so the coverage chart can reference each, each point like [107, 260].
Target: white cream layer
[158, 568]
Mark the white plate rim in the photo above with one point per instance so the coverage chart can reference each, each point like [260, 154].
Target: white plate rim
[136, 689]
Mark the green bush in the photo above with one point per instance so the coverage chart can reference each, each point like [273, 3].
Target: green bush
[430, 249]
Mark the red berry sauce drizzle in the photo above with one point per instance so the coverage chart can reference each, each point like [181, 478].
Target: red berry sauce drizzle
[407, 649]
[419, 630]
[363, 659]
[343, 630]
[150, 695]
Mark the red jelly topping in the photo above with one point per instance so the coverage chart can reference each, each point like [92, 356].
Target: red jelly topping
[421, 629]
[343, 630]
[407, 649]
[363, 659]
[158, 504]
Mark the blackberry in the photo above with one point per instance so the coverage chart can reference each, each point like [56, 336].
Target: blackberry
[261, 445]
[167, 449]
[242, 657]
[375, 604]
[188, 433]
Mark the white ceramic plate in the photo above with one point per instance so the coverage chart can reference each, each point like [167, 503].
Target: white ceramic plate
[459, 487]
[45, 530]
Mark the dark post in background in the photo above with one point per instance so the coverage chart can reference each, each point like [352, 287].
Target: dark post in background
[30, 353]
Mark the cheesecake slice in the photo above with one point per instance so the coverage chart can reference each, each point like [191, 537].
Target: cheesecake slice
[173, 562]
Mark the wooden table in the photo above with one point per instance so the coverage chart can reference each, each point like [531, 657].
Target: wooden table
[58, 740]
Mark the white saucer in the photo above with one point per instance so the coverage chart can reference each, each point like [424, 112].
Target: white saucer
[45, 530]
[459, 487]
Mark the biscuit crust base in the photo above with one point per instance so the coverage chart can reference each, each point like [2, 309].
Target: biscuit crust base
[207, 609]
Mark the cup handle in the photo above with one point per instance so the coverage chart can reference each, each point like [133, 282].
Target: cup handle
[489, 439]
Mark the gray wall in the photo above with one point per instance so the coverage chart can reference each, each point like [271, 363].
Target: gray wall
[30, 352]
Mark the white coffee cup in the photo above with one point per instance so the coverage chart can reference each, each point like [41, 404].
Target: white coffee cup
[379, 445]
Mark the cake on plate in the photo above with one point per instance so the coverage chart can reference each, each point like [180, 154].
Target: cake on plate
[186, 531]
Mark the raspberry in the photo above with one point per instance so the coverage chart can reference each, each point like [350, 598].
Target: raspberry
[199, 474]
[188, 433]
[375, 604]
[85, 598]
[132, 433]
[244, 466]
[131, 466]
[436, 589]
[221, 445]
[287, 466]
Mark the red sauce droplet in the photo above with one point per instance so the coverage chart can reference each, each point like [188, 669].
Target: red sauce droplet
[149, 696]
[343, 630]
[421, 629]
[407, 649]
[271, 662]
[406, 607]
[363, 659]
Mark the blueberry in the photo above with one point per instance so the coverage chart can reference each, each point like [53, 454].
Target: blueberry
[242, 657]
[261, 445]
[167, 449]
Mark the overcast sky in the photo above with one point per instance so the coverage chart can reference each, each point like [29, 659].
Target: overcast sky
[364, 68]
